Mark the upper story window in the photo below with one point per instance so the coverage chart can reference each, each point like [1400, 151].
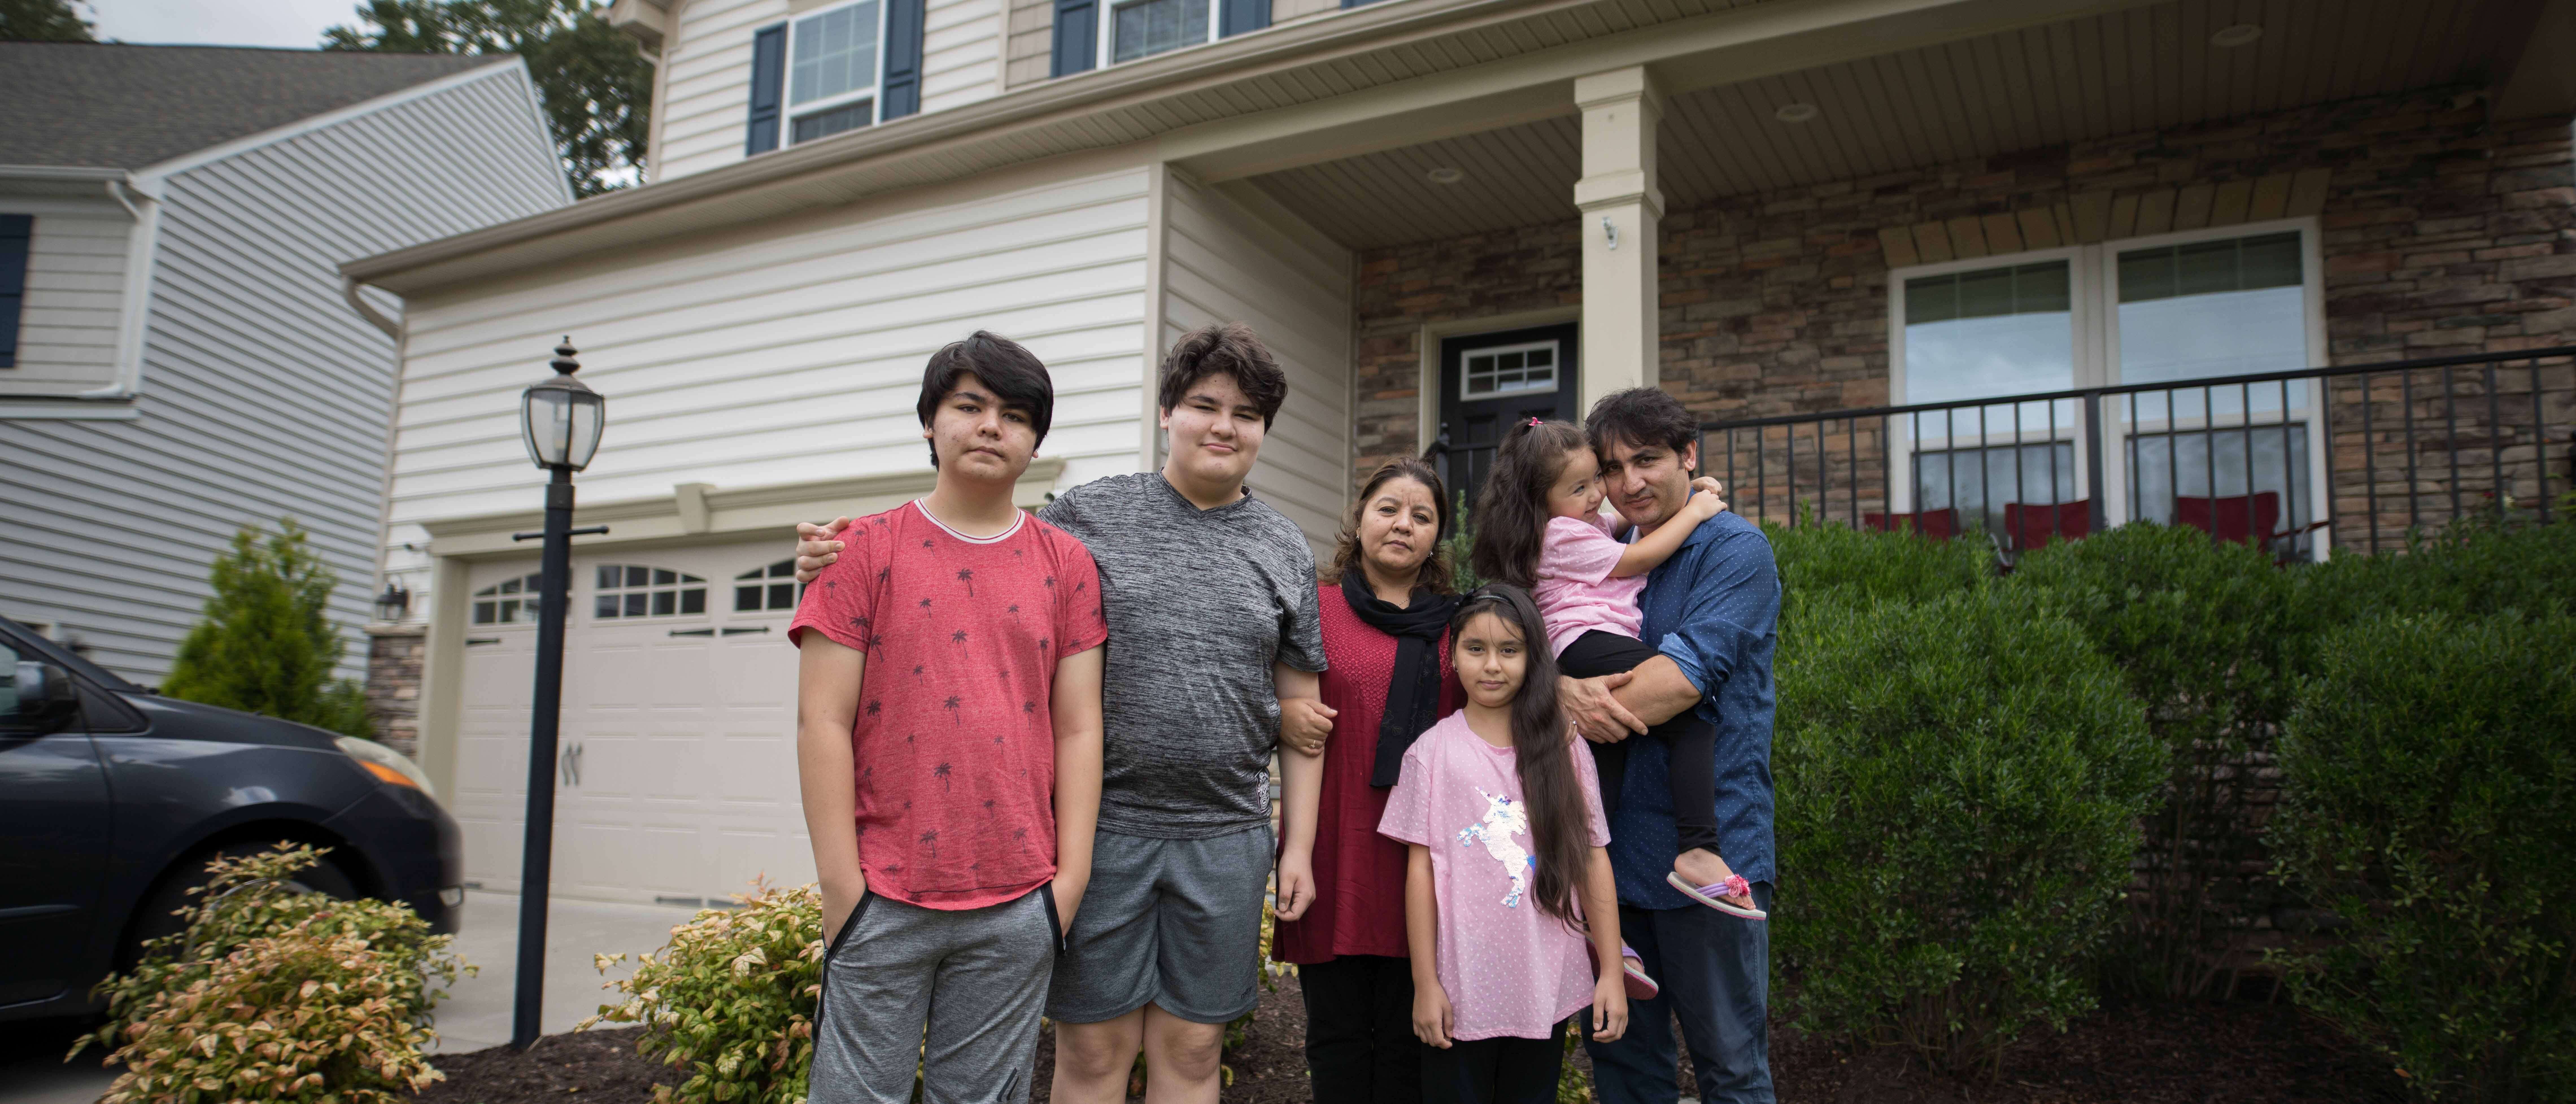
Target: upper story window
[1143, 28]
[832, 70]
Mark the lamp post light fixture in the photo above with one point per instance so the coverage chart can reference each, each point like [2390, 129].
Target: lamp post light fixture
[560, 419]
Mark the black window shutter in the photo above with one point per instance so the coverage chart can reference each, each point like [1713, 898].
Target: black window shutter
[15, 232]
[1234, 17]
[1077, 41]
[768, 89]
[902, 59]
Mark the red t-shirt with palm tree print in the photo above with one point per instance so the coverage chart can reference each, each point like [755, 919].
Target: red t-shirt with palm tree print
[954, 741]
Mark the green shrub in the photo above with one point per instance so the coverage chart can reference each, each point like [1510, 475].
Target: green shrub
[2475, 567]
[730, 1001]
[267, 644]
[2431, 804]
[275, 994]
[1959, 786]
[2200, 630]
[1832, 563]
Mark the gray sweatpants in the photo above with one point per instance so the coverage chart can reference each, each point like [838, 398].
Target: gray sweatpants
[977, 979]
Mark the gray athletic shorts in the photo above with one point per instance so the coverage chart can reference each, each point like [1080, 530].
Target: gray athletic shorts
[1170, 922]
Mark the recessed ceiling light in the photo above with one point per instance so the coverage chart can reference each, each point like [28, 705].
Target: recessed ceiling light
[1796, 113]
[1444, 175]
[2242, 34]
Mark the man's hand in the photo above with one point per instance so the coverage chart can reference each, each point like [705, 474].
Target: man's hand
[815, 548]
[1597, 714]
[1304, 723]
[840, 898]
[1432, 1016]
[1296, 883]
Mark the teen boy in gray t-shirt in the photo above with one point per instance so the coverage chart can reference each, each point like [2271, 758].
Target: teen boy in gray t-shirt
[1210, 599]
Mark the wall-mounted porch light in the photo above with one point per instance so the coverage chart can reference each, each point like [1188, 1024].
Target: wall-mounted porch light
[2242, 34]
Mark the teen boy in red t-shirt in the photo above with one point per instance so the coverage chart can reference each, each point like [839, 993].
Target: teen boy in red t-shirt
[948, 747]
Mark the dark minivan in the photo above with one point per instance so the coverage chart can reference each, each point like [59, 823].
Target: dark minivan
[112, 799]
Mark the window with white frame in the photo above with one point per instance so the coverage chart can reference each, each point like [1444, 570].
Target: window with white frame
[1143, 28]
[1504, 370]
[2205, 304]
[833, 70]
[635, 590]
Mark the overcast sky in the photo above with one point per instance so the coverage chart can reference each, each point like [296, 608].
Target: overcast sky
[290, 23]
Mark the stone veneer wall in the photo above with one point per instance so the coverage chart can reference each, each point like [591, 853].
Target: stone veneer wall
[2442, 233]
[393, 685]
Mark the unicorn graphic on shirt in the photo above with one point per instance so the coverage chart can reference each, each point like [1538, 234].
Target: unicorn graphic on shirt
[1504, 818]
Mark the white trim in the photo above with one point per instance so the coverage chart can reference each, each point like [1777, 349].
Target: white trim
[149, 177]
[1109, 31]
[1019, 518]
[873, 92]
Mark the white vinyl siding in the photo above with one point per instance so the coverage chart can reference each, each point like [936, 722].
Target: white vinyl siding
[68, 322]
[789, 358]
[709, 98]
[262, 394]
[1224, 264]
[961, 53]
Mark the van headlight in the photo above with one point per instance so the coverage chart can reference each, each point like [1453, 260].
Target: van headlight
[390, 767]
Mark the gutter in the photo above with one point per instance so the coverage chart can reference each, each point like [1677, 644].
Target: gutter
[1179, 73]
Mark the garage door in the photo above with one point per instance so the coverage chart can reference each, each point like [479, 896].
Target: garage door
[676, 779]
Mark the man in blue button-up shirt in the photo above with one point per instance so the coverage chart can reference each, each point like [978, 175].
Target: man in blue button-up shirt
[1712, 610]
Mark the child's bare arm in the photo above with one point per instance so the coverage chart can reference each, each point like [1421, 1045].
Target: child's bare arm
[1301, 791]
[1432, 1015]
[1075, 708]
[828, 677]
[1650, 551]
[1601, 914]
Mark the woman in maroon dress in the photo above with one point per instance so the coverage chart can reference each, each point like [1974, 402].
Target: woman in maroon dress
[1385, 610]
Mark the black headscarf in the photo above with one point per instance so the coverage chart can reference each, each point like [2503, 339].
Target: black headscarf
[1413, 690]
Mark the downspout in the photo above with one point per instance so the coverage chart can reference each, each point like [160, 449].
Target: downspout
[137, 291]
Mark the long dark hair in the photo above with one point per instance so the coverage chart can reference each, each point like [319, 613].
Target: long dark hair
[1511, 512]
[1435, 575]
[1560, 829]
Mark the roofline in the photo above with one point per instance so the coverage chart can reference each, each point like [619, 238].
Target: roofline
[151, 175]
[60, 172]
[1176, 73]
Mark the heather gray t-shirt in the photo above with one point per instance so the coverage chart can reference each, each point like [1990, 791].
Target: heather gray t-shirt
[1199, 603]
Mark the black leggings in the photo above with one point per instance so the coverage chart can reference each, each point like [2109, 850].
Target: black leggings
[1693, 741]
[1505, 1069]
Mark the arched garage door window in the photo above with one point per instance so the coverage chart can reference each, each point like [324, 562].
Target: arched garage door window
[636, 590]
[767, 588]
[508, 602]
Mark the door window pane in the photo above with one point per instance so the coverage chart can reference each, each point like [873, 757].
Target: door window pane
[2222, 308]
[1150, 27]
[835, 53]
[1510, 370]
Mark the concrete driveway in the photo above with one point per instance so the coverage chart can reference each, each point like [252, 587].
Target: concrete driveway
[476, 1015]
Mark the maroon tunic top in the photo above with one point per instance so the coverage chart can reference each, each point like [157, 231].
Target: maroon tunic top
[1359, 874]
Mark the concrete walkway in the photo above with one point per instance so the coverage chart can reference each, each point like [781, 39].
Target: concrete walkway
[476, 1014]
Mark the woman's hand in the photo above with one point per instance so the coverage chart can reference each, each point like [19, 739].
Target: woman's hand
[1432, 1016]
[1597, 714]
[1296, 883]
[1609, 1006]
[815, 548]
[1304, 723]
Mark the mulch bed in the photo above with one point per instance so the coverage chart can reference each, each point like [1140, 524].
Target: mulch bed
[2141, 1053]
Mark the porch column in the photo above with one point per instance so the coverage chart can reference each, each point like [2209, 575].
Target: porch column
[1621, 209]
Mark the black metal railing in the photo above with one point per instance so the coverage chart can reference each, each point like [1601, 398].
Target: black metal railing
[2354, 456]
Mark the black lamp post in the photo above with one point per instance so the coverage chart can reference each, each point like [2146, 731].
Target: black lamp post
[561, 419]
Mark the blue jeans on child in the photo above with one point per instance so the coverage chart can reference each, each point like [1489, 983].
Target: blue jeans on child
[1715, 971]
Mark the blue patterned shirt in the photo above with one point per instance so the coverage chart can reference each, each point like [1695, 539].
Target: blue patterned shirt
[1714, 607]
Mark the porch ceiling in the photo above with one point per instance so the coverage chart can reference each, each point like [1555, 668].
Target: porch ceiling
[2145, 68]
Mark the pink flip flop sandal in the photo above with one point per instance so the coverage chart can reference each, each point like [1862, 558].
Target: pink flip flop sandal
[1639, 986]
[1733, 886]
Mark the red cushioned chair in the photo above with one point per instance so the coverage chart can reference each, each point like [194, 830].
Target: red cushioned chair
[2244, 519]
[1930, 524]
[2034, 525]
